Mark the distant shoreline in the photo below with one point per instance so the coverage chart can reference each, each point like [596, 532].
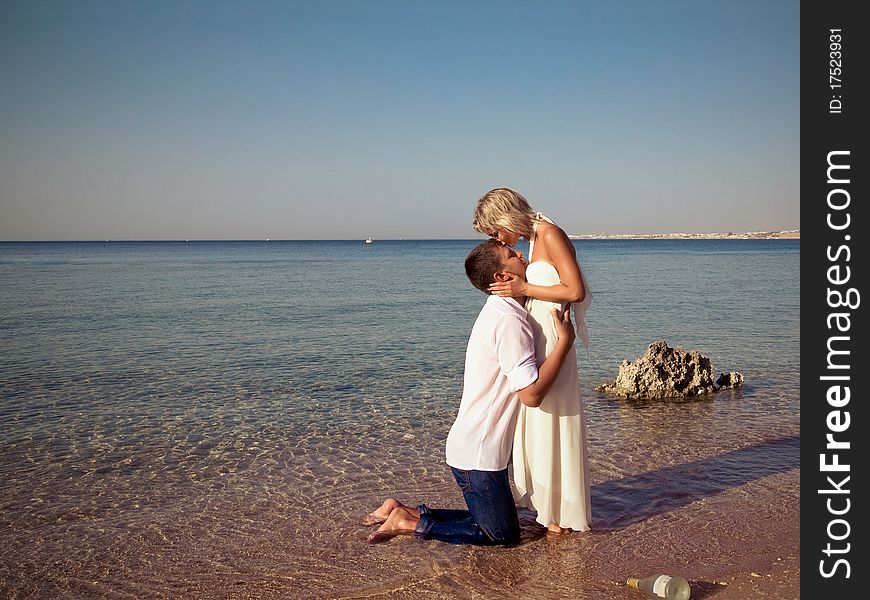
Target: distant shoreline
[792, 234]
[752, 235]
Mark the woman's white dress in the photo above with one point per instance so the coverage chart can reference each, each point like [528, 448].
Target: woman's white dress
[550, 465]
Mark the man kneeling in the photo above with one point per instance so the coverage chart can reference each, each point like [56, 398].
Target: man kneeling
[500, 371]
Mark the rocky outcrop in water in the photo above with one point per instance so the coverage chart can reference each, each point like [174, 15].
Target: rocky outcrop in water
[729, 380]
[665, 372]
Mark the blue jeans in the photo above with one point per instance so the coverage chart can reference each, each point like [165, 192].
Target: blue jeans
[491, 518]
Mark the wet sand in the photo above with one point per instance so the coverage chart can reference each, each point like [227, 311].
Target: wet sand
[730, 547]
[738, 544]
[718, 505]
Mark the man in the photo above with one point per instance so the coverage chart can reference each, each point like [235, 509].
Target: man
[500, 370]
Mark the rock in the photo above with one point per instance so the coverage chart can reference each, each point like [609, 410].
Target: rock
[730, 380]
[665, 372]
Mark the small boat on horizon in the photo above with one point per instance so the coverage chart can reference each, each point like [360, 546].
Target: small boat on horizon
[369, 241]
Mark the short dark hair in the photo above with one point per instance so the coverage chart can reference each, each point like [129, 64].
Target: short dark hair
[482, 263]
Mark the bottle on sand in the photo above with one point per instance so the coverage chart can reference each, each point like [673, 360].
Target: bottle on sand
[662, 586]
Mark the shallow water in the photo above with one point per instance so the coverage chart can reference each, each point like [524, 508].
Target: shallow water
[210, 419]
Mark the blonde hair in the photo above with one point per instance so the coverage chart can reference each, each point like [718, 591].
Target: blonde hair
[503, 208]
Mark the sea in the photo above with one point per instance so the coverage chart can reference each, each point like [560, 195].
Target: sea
[211, 419]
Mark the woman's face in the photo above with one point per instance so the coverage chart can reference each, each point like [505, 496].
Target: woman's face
[507, 237]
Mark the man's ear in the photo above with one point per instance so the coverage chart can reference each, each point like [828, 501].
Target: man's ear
[501, 276]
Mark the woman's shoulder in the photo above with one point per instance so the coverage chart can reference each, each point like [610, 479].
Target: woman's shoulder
[550, 232]
[555, 243]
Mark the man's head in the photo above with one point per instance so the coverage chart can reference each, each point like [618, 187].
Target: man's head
[491, 261]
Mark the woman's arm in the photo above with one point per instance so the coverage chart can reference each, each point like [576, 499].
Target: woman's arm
[559, 252]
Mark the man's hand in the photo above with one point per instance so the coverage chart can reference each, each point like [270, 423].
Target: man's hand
[564, 326]
[532, 395]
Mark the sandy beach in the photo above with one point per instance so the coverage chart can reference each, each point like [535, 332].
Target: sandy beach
[730, 547]
[731, 540]
[296, 534]
[741, 543]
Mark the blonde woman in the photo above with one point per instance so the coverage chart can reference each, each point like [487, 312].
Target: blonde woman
[550, 464]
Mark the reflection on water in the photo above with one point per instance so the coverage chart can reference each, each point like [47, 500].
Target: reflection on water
[183, 422]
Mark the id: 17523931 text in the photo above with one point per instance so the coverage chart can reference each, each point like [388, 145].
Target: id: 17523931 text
[835, 72]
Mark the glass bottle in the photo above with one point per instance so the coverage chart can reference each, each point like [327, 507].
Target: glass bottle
[662, 586]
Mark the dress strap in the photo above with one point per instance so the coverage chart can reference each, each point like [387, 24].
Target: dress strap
[537, 219]
[532, 241]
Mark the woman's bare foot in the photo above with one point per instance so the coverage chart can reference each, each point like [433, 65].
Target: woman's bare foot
[402, 521]
[380, 515]
[553, 528]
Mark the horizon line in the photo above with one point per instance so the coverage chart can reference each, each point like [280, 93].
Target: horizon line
[574, 237]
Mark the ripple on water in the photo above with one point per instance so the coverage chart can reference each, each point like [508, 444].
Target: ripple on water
[187, 423]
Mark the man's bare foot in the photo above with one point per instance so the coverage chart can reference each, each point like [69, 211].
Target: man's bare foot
[553, 528]
[376, 517]
[402, 521]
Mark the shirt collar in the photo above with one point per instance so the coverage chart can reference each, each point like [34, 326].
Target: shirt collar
[510, 301]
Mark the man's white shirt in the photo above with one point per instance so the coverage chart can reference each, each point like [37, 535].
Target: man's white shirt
[499, 361]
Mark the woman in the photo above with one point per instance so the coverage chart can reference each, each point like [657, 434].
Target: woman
[550, 466]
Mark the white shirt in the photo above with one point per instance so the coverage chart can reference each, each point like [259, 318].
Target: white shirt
[499, 361]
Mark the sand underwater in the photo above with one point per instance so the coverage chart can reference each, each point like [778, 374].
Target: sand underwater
[717, 504]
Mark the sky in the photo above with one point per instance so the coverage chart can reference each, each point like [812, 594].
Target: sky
[347, 119]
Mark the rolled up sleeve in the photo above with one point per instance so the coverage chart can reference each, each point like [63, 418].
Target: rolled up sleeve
[514, 345]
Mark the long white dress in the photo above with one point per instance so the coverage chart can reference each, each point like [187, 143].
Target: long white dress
[550, 463]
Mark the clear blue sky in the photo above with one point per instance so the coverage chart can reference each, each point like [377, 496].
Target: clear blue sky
[346, 119]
